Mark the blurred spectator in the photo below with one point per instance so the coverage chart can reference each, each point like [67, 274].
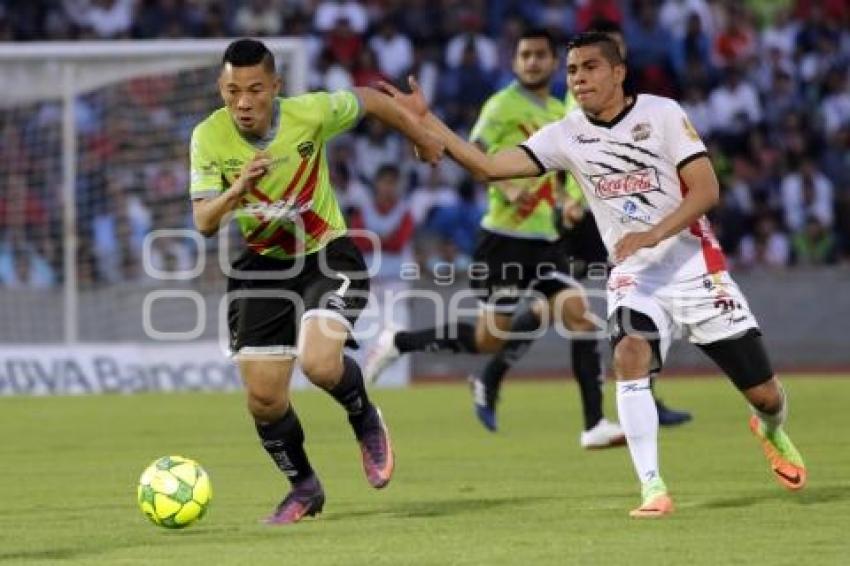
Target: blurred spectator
[259, 18]
[649, 48]
[558, 16]
[366, 71]
[594, 10]
[807, 193]
[484, 48]
[426, 72]
[698, 110]
[329, 75]
[422, 22]
[735, 107]
[378, 147]
[737, 40]
[456, 226]
[388, 217]
[436, 193]
[814, 27]
[104, 18]
[343, 43]
[693, 44]
[119, 231]
[464, 88]
[675, 15]
[330, 12]
[394, 50]
[21, 266]
[767, 246]
[836, 102]
[780, 34]
[814, 245]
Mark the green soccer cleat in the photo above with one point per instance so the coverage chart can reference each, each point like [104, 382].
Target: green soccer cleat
[785, 460]
[656, 502]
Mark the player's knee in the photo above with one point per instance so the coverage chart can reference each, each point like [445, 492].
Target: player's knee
[488, 344]
[632, 356]
[323, 371]
[267, 405]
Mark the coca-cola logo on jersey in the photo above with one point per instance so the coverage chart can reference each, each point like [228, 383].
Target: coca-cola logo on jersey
[613, 185]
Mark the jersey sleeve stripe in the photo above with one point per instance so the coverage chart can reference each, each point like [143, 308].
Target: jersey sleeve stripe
[533, 157]
[690, 158]
[361, 109]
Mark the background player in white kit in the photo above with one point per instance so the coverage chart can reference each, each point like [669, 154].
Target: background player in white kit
[648, 182]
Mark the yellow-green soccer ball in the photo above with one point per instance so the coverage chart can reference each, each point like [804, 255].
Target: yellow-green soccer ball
[174, 492]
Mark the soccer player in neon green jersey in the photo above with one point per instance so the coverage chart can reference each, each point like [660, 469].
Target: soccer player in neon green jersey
[301, 280]
[518, 252]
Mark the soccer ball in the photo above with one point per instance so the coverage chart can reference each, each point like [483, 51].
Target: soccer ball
[174, 492]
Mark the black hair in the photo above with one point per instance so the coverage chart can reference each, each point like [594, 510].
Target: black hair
[248, 52]
[538, 33]
[607, 45]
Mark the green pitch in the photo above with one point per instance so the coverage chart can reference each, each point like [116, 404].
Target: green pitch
[527, 495]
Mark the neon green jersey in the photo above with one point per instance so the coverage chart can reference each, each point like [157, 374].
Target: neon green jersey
[293, 209]
[507, 119]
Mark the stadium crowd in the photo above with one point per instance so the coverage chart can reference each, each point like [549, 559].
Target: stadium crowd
[765, 82]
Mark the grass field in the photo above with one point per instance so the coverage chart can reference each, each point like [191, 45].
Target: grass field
[528, 495]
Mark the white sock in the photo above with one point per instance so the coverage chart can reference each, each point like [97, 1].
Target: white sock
[773, 421]
[639, 419]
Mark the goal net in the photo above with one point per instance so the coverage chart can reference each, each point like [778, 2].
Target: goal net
[93, 164]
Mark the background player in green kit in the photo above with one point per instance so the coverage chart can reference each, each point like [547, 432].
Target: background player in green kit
[517, 246]
[300, 280]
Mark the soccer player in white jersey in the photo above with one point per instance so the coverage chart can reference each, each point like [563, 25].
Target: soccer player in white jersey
[648, 181]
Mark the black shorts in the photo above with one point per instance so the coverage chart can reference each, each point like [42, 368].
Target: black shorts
[508, 269]
[265, 311]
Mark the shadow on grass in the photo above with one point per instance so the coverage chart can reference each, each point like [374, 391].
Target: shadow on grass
[812, 495]
[441, 507]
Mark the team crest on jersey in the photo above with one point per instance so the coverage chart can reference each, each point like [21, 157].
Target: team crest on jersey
[305, 149]
[641, 131]
[615, 185]
[232, 164]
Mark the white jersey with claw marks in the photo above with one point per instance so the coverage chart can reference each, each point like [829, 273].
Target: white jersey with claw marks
[628, 169]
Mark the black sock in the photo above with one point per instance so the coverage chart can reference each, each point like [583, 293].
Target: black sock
[524, 321]
[284, 441]
[588, 371]
[437, 339]
[350, 392]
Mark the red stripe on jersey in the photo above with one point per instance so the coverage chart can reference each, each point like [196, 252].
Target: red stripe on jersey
[259, 195]
[314, 224]
[297, 176]
[309, 185]
[712, 253]
[282, 238]
[264, 198]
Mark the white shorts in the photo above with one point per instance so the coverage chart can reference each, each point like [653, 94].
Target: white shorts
[706, 309]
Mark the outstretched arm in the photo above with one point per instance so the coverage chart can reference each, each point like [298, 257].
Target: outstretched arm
[382, 107]
[506, 164]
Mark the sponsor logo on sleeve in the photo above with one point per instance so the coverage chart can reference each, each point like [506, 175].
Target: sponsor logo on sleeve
[690, 131]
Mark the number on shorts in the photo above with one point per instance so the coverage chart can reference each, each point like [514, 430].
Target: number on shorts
[344, 286]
